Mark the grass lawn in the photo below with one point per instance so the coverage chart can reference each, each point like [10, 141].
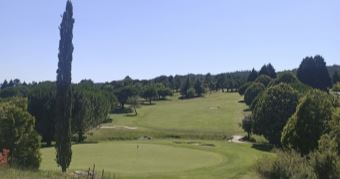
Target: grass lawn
[214, 116]
[185, 143]
[162, 159]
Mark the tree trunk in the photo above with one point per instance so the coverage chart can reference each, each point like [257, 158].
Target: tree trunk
[135, 110]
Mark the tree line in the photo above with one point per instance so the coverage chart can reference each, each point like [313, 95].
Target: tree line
[297, 114]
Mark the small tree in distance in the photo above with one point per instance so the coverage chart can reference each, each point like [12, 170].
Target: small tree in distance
[134, 103]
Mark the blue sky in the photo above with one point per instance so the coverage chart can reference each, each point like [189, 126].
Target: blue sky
[147, 38]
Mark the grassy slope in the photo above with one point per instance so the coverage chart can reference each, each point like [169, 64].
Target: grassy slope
[213, 117]
[164, 159]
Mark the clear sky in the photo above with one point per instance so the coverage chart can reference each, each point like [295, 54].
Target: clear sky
[147, 38]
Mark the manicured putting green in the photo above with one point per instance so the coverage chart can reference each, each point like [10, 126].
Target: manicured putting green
[134, 157]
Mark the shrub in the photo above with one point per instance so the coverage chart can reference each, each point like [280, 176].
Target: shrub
[273, 110]
[287, 165]
[191, 93]
[243, 88]
[325, 160]
[264, 79]
[291, 79]
[252, 92]
[309, 122]
[18, 135]
[336, 87]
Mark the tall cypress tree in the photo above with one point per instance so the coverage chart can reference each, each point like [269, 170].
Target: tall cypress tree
[64, 91]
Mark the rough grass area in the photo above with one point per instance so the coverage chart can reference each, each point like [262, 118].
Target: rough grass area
[7, 173]
[215, 116]
[163, 159]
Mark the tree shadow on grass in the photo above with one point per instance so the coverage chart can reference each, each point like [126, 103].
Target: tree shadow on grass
[131, 115]
[148, 104]
[263, 147]
[241, 101]
[246, 110]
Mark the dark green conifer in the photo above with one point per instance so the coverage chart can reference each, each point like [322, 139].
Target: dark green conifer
[64, 91]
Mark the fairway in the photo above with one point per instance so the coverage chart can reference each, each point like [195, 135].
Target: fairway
[214, 116]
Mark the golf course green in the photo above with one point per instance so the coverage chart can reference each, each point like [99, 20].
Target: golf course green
[161, 159]
[134, 157]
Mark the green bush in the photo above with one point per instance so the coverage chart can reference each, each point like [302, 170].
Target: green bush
[309, 122]
[252, 92]
[191, 93]
[287, 165]
[264, 79]
[336, 87]
[18, 135]
[243, 88]
[325, 160]
[273, 110]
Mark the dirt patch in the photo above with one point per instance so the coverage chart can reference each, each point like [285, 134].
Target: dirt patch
[236, 139]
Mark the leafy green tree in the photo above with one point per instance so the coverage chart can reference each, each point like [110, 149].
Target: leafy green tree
[191, 93]
[264, 79]
[273, 110]
[243, 88]
[185, 87]
[150, 93]
[247, 125]
[18, 135]
[199, 88]
[313, 72]
[64, 91]
[252, 75]
[252, 92]
[81, 113]
[177, 82]
[41, 104]
[134, 102]
[220, 82]
[163, 92]
[304, 129]
[124, 93]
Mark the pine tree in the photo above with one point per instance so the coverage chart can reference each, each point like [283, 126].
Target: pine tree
[252, 76]
[64, 91]
[185, 87]
[313, 72]
[199, 88]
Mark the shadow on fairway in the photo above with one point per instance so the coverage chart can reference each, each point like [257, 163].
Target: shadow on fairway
[263, 147]
[246, 110]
